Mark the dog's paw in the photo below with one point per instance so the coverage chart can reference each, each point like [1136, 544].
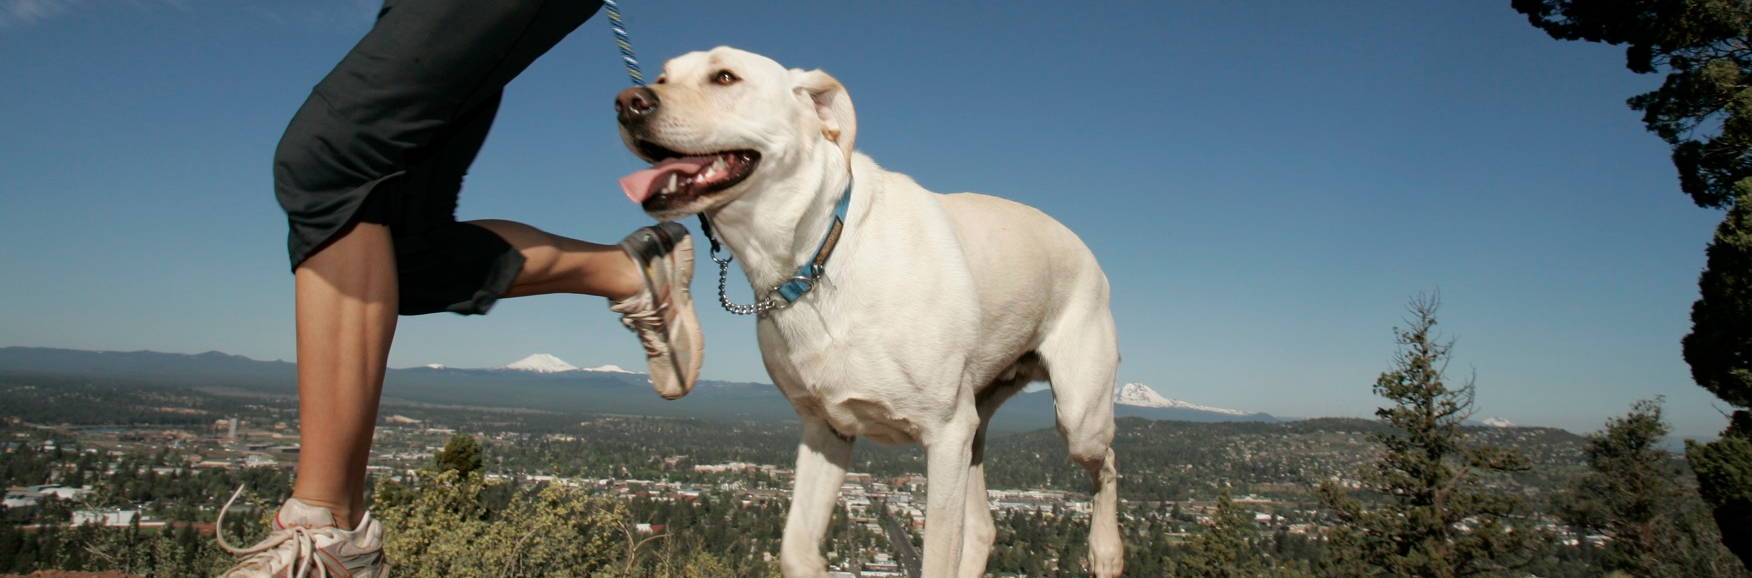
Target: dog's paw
[802, 566]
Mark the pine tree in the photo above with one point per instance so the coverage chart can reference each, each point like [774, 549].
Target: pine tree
[1719, 350]
[1705, 49]
[1437, 518]
[1637, 496]
[1703, 110]
[462, 455]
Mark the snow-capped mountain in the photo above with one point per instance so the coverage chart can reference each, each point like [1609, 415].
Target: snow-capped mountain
[548, 363]
[1140, 395]
[541, 363]
[1498, 422]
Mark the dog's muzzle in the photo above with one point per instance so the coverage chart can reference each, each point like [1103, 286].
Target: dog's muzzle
[632, 106]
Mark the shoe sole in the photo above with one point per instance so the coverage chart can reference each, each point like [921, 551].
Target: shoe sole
[669, 236]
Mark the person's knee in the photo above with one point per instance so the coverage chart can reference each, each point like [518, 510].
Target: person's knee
[301, 156]
[325, 155]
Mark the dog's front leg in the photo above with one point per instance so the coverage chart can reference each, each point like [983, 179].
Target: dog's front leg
[822, 459]
[948, 453]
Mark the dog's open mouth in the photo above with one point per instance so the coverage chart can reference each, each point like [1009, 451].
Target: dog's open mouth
[675, 178]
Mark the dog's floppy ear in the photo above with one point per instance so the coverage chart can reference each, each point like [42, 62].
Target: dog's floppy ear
[839, 123]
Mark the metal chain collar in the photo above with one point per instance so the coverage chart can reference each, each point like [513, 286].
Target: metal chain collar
[758, 308]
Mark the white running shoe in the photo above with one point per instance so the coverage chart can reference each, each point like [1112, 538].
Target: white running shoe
[306, 542]
[663, 313]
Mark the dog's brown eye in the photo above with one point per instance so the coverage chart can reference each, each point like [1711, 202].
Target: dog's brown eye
[725, 78]
[662, 79]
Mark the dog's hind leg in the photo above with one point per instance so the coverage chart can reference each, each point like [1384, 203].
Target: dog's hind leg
[977, 536]
[822, 459]
[1081, 356]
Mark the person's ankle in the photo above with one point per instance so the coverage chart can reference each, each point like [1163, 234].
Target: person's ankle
[343, 513]
[624, 281]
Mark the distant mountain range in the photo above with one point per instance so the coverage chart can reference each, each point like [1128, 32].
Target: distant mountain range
[540, 382]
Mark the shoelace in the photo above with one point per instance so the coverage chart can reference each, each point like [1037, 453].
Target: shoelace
[649, 325]
[302, 538]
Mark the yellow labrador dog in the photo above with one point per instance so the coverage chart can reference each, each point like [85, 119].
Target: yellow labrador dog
[926, 312]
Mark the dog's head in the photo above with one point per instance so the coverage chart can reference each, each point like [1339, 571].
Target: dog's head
[718, 124]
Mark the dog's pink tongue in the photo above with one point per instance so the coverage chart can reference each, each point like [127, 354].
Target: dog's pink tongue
[643, 184]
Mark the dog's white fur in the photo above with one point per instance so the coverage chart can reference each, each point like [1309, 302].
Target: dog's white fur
[934, 308]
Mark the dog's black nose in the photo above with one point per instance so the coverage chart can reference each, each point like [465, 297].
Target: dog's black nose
[634, 104]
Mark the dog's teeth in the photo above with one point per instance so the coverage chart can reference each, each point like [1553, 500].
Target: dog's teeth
[719, 165]
[671, 187]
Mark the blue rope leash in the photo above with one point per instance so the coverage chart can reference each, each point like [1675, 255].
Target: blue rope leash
[620, 38]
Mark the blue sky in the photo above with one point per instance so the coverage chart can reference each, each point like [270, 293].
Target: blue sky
[1265, 183]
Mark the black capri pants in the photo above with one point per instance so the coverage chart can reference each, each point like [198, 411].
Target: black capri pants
[387, 136]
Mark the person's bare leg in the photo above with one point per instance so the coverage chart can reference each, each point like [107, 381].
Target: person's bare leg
[555, 264]
[346, 297]
[650, 294]
[346, 301]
